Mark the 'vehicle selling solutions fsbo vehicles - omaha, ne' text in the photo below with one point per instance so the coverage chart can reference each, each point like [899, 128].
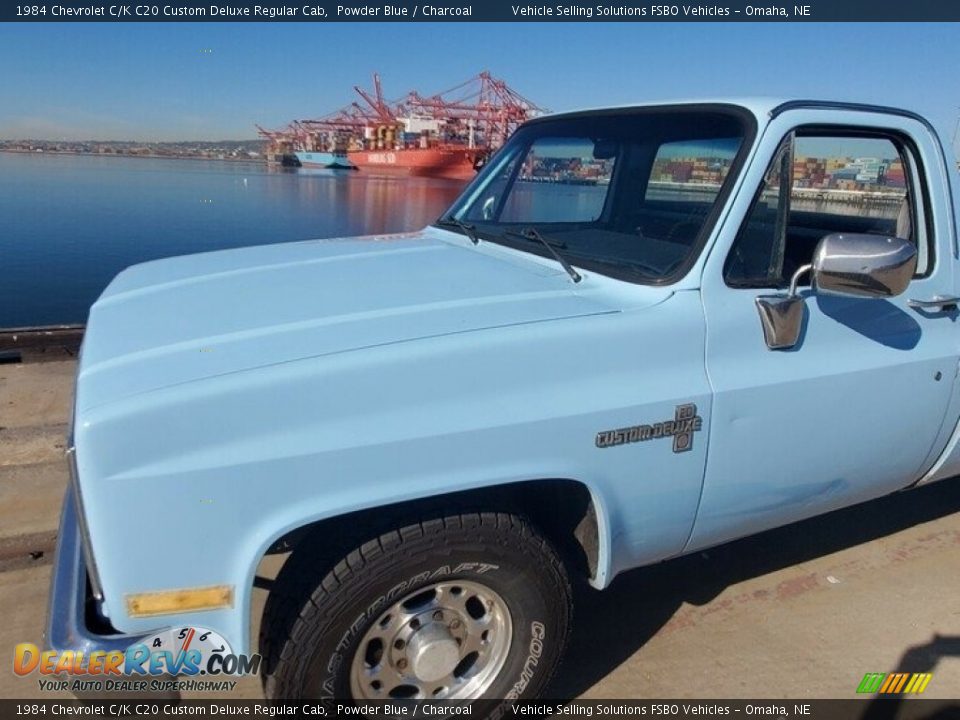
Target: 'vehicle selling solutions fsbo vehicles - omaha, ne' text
[447, 428]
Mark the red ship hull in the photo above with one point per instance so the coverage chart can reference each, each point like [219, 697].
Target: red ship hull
[450, 163]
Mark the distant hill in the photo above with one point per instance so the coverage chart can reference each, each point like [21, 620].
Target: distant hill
[211, 149]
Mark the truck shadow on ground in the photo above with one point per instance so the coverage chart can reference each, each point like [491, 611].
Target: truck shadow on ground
[611, 626]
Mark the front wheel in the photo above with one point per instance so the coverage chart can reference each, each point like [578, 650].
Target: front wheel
[465, 607]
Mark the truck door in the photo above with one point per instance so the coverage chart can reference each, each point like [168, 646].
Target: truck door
[857, 407]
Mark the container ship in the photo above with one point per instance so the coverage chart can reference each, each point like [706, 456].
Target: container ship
[449, 163]
[334, 160]
[446, 135]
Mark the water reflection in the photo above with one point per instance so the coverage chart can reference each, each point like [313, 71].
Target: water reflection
[73, 222]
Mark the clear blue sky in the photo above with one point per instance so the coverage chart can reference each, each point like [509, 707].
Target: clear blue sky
[152, 81]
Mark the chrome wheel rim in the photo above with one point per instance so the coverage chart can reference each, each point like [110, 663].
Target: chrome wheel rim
[448, 640]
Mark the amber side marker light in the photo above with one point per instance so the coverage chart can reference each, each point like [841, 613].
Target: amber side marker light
[169, 602]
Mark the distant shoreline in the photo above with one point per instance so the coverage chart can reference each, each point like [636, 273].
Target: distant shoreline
[151, 156]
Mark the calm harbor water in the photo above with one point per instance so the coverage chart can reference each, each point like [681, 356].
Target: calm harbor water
[69, 223]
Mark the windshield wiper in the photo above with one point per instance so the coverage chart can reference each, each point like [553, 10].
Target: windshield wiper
[532, 234]
[466, 228]
[638, 265]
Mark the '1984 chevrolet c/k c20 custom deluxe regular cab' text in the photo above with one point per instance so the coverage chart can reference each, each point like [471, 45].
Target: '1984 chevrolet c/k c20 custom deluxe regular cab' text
[638, 333]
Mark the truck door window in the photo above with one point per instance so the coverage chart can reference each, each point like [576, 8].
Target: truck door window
[852, 183]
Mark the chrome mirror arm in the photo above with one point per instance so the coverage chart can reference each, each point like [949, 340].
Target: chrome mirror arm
[795, 279]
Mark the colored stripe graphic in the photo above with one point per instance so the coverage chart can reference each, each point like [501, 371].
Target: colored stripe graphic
[891, 679]
[912, 684]
[922, 683]
[894, 683]
[871, 683]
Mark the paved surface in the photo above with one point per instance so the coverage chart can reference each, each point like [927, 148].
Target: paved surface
[800, 612]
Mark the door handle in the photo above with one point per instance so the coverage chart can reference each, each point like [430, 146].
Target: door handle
[937, 301]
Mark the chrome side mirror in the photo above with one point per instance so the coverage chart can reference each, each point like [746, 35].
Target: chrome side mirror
[781, 317]
[863, 265]
[851, 265]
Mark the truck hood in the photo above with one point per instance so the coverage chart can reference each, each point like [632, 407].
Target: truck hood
[187, 318]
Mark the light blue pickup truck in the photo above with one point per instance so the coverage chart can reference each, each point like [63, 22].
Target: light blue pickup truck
[639, 332]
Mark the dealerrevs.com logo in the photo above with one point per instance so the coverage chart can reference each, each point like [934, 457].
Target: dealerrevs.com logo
[151, 664]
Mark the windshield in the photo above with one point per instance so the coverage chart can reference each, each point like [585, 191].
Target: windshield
[628, 193]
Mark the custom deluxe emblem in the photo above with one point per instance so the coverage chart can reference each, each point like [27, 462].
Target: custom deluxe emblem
[684, 424]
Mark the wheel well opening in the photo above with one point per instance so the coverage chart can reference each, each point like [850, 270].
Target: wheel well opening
[562, 510]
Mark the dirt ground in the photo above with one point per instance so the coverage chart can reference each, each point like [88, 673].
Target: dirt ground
[800, 612]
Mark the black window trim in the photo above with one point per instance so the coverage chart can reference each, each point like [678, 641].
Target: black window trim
[901, 141]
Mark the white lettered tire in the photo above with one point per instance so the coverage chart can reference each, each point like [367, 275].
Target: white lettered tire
[471, 606]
